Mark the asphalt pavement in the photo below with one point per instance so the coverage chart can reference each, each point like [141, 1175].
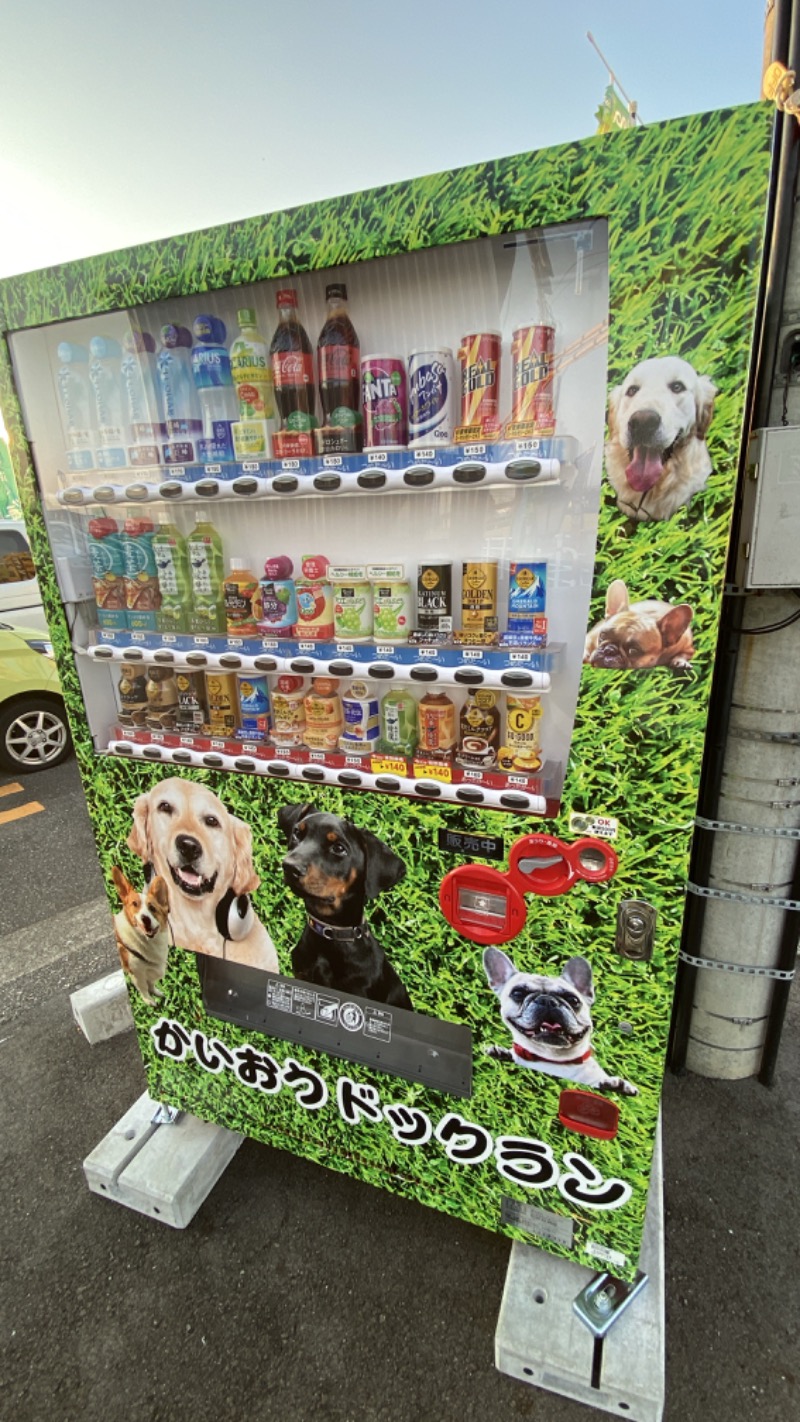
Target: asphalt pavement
[300, 1294]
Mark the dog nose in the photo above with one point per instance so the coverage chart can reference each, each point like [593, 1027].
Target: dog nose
[643, 425]
[188, 847]
[147, 923]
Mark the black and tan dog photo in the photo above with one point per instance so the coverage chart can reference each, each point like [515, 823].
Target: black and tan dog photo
[656, 453]
[636, 636]
[550, 1021]
[336, 868]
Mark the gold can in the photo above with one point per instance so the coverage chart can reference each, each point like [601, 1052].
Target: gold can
[479, 598]
[522, 749]
[223, 704]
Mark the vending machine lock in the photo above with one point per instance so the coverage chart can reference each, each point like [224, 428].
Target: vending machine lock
[636, 924]
[482, 904]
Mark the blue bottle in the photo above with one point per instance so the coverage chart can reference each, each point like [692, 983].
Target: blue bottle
[109, 403]
[75, 394]
[211, 367]
[182, 418]
[143, 398]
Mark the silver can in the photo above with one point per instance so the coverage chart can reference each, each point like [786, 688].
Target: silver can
[430, 388]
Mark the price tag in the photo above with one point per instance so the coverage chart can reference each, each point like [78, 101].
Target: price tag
[474, 449]
[519, 656]
[251, 466]
[472, 654]
[425, 771]
[386, 766]
[213, 468]
[378, 456]
[423, 455]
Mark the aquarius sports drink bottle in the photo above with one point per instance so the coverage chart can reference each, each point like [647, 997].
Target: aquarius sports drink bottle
[75, 394]
[182, 418]
[255, 394]
[211, 367]
[109, 404]
[293, 372]
[338, 361]
[142, 398]
[172, 568]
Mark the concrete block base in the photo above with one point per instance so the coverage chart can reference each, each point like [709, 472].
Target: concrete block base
[540, 1339]
[102, 1009]
[163, 1171]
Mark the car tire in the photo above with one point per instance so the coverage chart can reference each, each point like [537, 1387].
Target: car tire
[34, 735]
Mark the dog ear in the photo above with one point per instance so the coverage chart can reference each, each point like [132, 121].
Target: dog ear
[498, 968]
[383, 868]
[617, 599]
[158, 890]
[289, 815]
[139, 837]
[245, 879]
[704, 400]
[674, 623]
[121, 884]
[578, 972]
[613, 405]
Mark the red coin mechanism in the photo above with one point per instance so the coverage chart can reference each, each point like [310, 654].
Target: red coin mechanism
[482, 904]
[588, 1114]
[541, 864]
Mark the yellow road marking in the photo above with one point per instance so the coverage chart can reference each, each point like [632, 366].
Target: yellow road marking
[10, 789]
[20, 812]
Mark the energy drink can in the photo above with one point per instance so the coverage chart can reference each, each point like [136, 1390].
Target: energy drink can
[479, 598]
[435, 597]
[430, 384]
[532, 410]
[479, 360]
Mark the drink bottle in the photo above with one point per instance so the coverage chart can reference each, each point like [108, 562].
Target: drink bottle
[206, 571]
[142, 594]
[211, 367]
[77, 405]
[293, 372]
[142, 398]
[182, 417]
[109, 402]
[252, 379]
[172, 567]
[399, 732]
[240, 591]
[107, 558]
[338, 360]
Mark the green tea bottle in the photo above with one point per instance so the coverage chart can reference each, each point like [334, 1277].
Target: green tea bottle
[207, 571]
[399, 733]
[172, 566]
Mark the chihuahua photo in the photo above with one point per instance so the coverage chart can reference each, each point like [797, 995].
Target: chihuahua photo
[142, 933]
[635, 636]
[550, 1021]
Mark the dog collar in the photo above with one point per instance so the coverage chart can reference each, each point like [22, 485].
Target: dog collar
[532, 1057]
[341, 935]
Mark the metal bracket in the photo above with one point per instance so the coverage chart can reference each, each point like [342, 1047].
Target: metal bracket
[165, 1115]
[793, 905]
[604, 1298]
[780, 974]
[732, 828]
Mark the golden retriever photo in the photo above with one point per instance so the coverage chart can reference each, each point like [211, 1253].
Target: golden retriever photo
[183, 832]
[656, 454]
[638, 635]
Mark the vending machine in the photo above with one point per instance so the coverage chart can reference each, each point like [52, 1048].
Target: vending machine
[382, 544]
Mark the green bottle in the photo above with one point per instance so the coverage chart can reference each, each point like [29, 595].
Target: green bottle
[207, 570]
[172, 566]
[399, 732]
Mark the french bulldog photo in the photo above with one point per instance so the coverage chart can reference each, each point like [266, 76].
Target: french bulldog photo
[635, 636]
[550, 1022]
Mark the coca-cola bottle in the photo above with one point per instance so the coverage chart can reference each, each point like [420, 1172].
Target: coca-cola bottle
[292, 362]
[338, 357]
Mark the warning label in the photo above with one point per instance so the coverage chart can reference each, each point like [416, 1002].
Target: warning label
[300, 1000]
[543, 1223]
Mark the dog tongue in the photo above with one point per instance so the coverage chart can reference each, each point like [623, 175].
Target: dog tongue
[190, 875]
[644, 469]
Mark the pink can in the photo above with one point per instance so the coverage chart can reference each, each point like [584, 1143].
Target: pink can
[384, 401]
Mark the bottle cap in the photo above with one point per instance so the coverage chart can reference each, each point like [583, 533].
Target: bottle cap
[246, 317]
[209, 330]
[287, 296]
[102, 347]
[138, 341]
[289, 683]
[237, 563]
[68, 353]
[337, 291]
[101, 527]
[172, 336]
[325, 685]
[200, 516]
[279, 567]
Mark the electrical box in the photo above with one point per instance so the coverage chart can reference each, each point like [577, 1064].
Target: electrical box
[769, 545]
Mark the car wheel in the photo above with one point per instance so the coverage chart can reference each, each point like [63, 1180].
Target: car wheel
[34, 735]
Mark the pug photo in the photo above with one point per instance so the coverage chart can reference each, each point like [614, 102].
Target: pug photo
[550, 1022]
[635, 636]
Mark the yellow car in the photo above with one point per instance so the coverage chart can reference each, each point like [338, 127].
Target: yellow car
[34, 732]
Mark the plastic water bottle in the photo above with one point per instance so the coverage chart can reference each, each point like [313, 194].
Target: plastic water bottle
[182, 418]
[109, 402]
[211, 367]
[143, 398]
[75, 394]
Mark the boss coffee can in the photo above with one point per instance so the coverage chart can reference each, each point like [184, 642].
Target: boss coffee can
[430, 384]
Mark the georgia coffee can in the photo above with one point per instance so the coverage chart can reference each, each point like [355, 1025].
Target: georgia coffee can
[384, 401]
[479, 359]
[532, 379]
[430, 383]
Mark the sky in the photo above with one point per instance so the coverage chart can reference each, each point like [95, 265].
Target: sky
[121, 123]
